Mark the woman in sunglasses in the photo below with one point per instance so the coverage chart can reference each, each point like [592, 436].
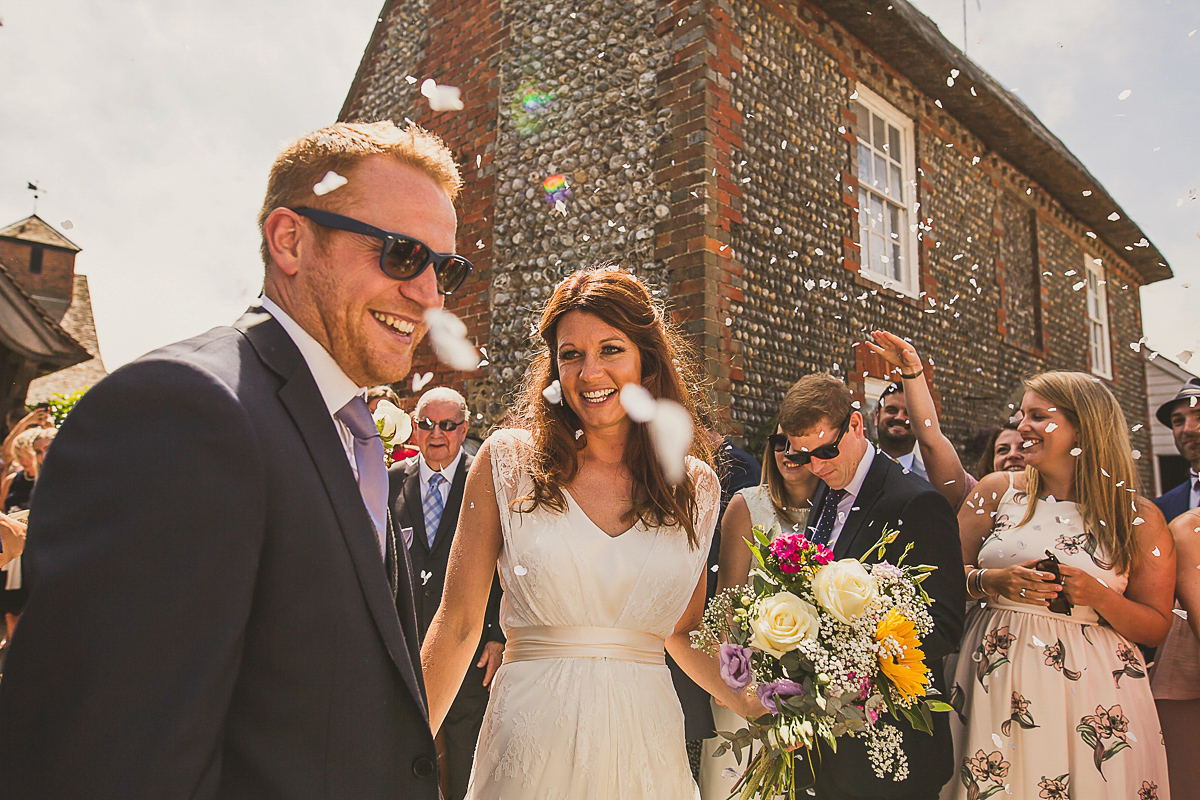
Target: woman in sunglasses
[783, 498]
[602, 558]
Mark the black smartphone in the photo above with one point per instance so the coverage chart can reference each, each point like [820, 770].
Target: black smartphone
[1060, 604]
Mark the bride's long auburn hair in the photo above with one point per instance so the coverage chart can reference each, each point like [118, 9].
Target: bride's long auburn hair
[668, 372]
[1109, 503]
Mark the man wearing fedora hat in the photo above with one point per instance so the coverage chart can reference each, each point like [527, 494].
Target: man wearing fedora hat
[1182, 416]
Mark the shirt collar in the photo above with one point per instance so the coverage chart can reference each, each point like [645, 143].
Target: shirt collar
[860, 474]
[446, 472]
[335, 388]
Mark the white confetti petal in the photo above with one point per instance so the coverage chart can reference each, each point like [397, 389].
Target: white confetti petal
[1051, 427]
[1113, 217]
[1156, 552]
[67, 225]
[449, 337]
[1138, 520]
[997, 740]
[519, 570]
[442, 98]
[1135, 454]
[425, 576]
[553, 393]
[1076, 451]
[327, 184]
[638, 403]
[671, 432]
[1038, 642]
[419, 380]
[1180, 612]
[1125, 94]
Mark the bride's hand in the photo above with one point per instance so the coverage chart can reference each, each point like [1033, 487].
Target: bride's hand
[748, 706]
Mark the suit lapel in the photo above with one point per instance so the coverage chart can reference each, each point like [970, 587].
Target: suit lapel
[413, 501]
[860, 522]
[302, 400]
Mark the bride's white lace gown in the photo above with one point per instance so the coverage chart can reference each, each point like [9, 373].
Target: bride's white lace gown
[583, 706]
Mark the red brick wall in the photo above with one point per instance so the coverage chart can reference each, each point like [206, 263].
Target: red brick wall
[58, 269]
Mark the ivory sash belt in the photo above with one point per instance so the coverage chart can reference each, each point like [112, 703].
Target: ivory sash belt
[540, 642]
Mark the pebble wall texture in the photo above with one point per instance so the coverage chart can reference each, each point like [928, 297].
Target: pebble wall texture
[710, 147]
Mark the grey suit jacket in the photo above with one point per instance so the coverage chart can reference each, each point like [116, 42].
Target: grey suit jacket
[210, 615]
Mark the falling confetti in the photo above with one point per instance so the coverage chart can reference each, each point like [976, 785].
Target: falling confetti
[553, 393]
[1076, 451]
[1155, 551]
[670, 426]
[419, 380]
[1038, 642]
[1125, 94]
[519, 570]
[1051, 427]
[67, 224]
[639, 404]
[425, 576]
[449, 337]
[441, 97]
[327, 184]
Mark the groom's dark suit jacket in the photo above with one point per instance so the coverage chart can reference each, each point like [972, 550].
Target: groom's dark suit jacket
[904, 502]
[210, 615]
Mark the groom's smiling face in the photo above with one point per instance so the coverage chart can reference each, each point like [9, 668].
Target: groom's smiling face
[368, 321]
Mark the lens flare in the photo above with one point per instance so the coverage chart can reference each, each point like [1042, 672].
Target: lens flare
[529, 106]
[556, 188]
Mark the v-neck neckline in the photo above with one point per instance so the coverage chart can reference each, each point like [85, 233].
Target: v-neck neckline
[575, 503]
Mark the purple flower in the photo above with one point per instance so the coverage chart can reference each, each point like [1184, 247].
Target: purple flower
[768, 693]
[735, 666]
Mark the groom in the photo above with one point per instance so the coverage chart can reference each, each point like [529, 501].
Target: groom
[863, 492]
[217, 610]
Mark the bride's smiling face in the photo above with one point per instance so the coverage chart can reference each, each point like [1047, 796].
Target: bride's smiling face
[594, 361]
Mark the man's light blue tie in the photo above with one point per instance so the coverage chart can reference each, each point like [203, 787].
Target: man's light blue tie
[433, 505]
[372, 470]
[828, 516]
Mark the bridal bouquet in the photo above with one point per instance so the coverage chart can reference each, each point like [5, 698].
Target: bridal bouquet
[829, 646]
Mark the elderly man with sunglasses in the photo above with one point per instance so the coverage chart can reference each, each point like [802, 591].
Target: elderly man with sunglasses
[862, 492]
[227, 614]
[426, 496]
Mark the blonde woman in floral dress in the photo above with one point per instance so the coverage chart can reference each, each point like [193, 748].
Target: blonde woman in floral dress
[1054, 705]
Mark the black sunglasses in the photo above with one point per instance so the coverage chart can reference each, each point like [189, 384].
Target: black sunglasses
[426, 424]
[825, 452]
[402, 257]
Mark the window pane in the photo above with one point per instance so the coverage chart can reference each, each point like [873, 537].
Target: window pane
[876, 215]
[878, 139]
[896, 184]
[894, 234]
[881, 171]
[862, 122]
[894, 148]
[864, 163]
[877, 257]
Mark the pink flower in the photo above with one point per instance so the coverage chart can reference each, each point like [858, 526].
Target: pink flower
[823, 554]
[789, 550]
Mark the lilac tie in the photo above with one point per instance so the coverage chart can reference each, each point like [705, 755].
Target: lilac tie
[372, 469]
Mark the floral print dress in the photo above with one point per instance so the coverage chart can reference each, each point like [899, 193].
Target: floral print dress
[1051, 706]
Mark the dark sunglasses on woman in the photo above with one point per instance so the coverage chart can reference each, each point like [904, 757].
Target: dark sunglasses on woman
[825, 452]
[426, 424]
[401, 257]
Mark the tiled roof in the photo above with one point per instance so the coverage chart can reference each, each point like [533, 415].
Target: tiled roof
[79, 323]
[35, 229]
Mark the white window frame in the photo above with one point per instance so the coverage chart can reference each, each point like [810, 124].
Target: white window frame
[1099, 348]
[897, 204]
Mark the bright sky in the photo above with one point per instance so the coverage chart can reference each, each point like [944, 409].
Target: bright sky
[151, 124]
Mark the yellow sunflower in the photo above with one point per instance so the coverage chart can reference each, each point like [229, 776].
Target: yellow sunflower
[906, 671]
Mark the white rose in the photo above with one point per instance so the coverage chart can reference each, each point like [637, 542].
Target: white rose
[844, 588]
[782, 622]
[394, 425]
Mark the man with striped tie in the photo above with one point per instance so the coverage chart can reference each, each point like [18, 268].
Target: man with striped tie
[426, 495]
[863, 493]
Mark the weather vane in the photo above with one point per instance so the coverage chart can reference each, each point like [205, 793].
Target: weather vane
[37, 192]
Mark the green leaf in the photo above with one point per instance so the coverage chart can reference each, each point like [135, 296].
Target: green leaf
[1116, 748]
[938, 705]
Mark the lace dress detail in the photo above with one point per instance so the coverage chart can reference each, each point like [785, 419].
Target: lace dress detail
[587, 728]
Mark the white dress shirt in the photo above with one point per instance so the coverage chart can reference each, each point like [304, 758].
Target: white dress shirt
[1193, 478]
[852, 489]
[335, 388]
[447, 473]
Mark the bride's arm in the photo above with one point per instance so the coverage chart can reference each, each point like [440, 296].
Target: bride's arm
[454, 633]
[703, 669]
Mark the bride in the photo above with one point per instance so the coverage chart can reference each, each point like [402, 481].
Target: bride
[601, 559]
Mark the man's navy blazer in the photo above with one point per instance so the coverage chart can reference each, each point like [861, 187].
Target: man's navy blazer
[210, 615]
[1176, 501]
[909, 505]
